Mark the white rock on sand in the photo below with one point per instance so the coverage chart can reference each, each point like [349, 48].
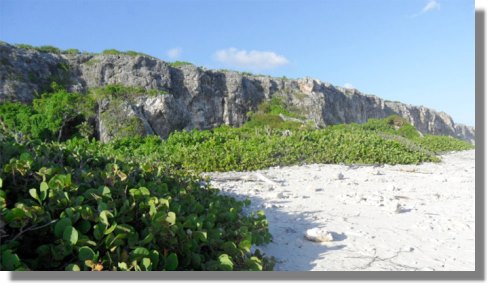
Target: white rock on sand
[389, 217]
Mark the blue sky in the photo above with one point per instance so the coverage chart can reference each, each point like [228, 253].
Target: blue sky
[420, 52]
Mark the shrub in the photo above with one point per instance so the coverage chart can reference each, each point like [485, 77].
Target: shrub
[48, 49]
[111, 52]
[52, 116]
[24, 46]
[122, 92]
[16, 117]
[441, 144]
[177, 64]
[117, 52]
[71, 51]
[72, 206]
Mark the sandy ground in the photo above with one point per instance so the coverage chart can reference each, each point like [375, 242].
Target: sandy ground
[381, 217]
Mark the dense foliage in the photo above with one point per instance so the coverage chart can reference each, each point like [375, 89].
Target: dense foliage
[69, 202]
[73, 206]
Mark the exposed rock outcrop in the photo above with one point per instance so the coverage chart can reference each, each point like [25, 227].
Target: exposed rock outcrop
[194, 97]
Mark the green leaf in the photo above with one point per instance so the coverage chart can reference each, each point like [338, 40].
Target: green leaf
[103, 217]
[1, 183]
[10, 261]
[170, 218]
[110, 229]
[225, 262]
[15, 214]
[70, 235]
[140, 251]
[99, 230]
[106, 192]
[122, 266]
[25, 157]
[60, 226]
[33, 193]
[86, 253]
[72, 267]
[155, 257]
[171, 262]
[43, 189]
[147, 239]
[254, 264]
[101, 206]
[84, 226]
[144, 191]
[201, 235]
[135, 193]
[133, 238]
[246, 244]
[230, 248]
[146, 262]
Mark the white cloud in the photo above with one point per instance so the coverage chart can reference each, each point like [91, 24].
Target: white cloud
[349, 85]
[250, 59]
[174, 53]
[430, 6]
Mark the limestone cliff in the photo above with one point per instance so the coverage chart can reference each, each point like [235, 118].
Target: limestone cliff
[194, 97]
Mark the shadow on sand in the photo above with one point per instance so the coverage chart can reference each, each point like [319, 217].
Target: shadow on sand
[292, 251]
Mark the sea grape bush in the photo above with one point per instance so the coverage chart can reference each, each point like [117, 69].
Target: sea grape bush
[69, 206]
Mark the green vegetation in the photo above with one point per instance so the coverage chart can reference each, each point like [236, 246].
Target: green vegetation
[74, 206]
[119, 91]
[118, 124]
[268, 116]
[111, 52]
[177, 64]
[92, 61]
[71, 52]
[49, 118]
[48, 49]
[55, 50]
[69, 202]
[441, 144]
[24, 46]
[42, 49]
[128, 53]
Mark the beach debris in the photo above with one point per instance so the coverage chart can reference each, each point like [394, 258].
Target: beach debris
[318, 189]
[318, 235]
[265, 179]
[400, 209]
[340, 176]
[267, 205]
[283, 195]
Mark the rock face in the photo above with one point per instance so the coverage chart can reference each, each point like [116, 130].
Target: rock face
[194, 97]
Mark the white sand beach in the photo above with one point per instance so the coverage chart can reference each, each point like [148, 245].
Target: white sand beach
[379, 217]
